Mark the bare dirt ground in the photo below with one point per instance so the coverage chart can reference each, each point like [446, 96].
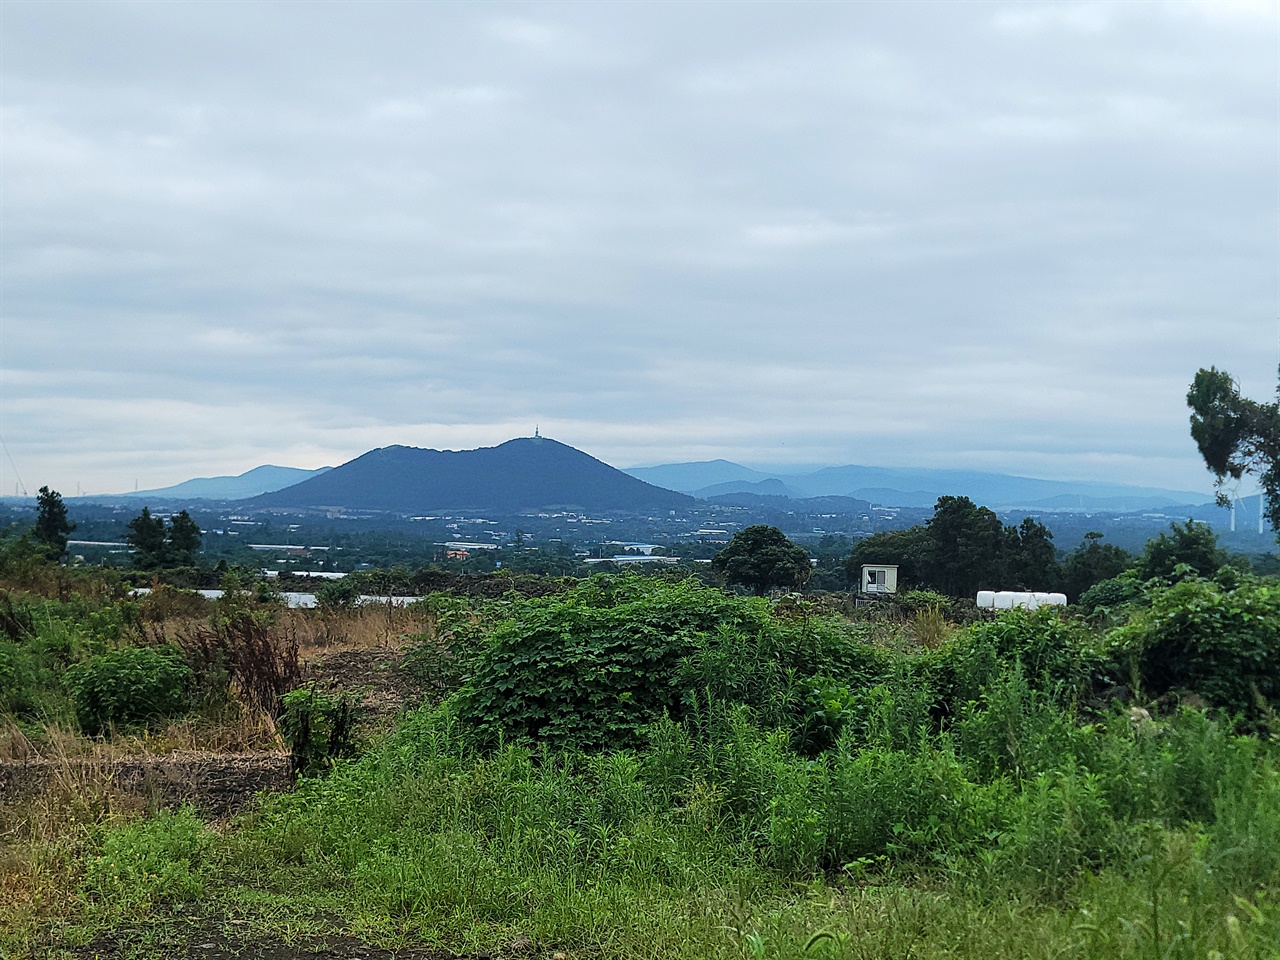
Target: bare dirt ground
[204, 939]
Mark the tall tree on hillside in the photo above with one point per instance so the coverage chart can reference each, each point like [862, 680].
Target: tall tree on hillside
[1194, 545]
[1092, 562]
[1236, 436]
[905, 549]
[966, 547]
[52, 526]
[1030, 562]
[761, 557]
[146, 536]
[183, 538]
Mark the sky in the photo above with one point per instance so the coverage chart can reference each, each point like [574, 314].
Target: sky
[997, 236]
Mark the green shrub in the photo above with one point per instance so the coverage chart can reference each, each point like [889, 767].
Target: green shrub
[594, 667]
[319, 728]
[338, 594]
[1110, 594]
[1220, 640]
[135, 685]
[1054, 655]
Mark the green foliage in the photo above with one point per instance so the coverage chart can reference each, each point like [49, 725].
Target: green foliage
[594, 667]
[338, 594]
[906, 549]
[319, 729]
[155, 545]
[52, 525]
[1110, 594]
[1217, 638]
[1090, 563]
[1236, 436]
[966, 544]
[1052, 654]
[1192, 545]
[163, 858]
[762, 558]
[183, 539]
[127, 687]
[963, 548]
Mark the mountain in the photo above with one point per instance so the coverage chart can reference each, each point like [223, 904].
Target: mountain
[689, 477]
[771, 487]
[264, 479]
[913, 487]
[532, 473]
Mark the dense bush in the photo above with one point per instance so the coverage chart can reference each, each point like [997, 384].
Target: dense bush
[593, 667]
[1217, 638]
[131, 686]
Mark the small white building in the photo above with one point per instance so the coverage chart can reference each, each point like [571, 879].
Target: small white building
[879, 578]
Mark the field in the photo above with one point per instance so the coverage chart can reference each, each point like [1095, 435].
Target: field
[633, 767]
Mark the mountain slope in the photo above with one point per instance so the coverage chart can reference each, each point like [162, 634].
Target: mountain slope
[513, 477]
[912, 486]
[265, 479]
[688, 477]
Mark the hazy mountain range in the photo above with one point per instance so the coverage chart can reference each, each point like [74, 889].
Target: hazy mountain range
[539, 473]
[912, 487]
[251, 483]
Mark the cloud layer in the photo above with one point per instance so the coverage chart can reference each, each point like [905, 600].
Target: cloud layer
[987, 235]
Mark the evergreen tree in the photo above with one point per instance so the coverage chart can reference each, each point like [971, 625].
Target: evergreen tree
[52, 526]
[147, 537]
[183, 540]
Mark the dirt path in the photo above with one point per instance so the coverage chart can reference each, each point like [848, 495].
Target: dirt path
[205, 940]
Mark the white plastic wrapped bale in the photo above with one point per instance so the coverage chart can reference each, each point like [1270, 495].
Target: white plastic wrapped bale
[1008, 599]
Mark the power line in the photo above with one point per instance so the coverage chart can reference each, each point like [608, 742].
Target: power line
[14, 465]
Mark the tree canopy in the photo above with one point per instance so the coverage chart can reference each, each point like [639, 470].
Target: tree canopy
[1090, 563]
[52, 526]
[1192, 544]
[761, 557]
[156, 546]
[963, 548]
[1236, 436]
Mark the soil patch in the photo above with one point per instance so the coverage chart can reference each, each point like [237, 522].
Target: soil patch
[216, 784]
[203, 940]
[375, 678]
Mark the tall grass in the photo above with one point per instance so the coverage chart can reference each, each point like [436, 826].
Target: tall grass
[810, 796]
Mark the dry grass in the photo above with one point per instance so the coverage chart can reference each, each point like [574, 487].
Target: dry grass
[363, 628]
[931, 627]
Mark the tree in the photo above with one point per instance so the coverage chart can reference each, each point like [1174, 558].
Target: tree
[965, 547]
[1193, 544]
[1236, 436]
[1030, 561]
[1092, 562]
[146, 536]
[905, 549]
[183, 539]
[761, 557]
[52, 526]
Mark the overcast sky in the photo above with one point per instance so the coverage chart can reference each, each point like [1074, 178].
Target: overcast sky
[989, 235]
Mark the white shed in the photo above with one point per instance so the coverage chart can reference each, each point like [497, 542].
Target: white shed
[879, 578]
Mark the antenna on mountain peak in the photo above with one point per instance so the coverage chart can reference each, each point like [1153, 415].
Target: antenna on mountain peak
[537, 434]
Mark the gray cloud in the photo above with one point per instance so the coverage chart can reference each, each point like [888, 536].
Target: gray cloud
[986, 235]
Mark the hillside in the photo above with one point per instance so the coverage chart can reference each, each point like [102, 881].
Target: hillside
[913, 486]
[251, 483]
[513, 477]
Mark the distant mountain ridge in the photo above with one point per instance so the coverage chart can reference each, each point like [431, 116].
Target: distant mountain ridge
[912, 486]
[264, 479]
[522, 475]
